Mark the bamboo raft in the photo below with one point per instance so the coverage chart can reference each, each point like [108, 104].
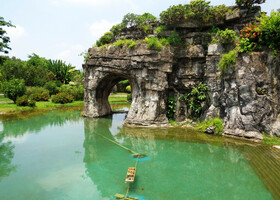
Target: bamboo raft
[122, 197]
[130, 175]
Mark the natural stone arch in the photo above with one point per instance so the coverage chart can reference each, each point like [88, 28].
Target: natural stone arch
[147, 72]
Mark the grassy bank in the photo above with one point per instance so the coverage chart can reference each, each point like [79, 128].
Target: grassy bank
[272, 140]
[7, 106]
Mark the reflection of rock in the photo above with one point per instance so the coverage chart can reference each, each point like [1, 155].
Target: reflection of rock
[177, 155]
[103, 158]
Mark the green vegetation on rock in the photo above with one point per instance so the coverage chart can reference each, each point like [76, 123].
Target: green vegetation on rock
[199, 12]
[228, 60]
[226, 36]
[215, 122]
[171, 108]
[195, 98]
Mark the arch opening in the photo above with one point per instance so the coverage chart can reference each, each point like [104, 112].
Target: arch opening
[106, 99]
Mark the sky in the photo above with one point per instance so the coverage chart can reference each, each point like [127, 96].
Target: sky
[63, 29]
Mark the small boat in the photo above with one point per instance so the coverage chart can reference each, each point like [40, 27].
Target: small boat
[130, 175]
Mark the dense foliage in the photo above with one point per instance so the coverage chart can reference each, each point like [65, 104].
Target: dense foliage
[33, 90]
[44, 96]
[216, 122]
[170, 107]
[107, 38]
[228, 59]
[62, 98]
[36, 71]
[199, 11]
[195, 98]
[255, 37]
[4, 39]
[14, 88]
[226, 36]
[270, 30]
[142, 22]
[25, 101]
[76, 91]
[248, 3]
[52, 87]
[154, 43]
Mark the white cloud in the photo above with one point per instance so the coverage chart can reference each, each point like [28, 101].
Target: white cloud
[93, 2]
[70, 53]
[97, 29]
[15, 33]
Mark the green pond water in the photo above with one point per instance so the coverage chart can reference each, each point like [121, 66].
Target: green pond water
[61, 155]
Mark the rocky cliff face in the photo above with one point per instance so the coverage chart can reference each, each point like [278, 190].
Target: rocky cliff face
[245, 97]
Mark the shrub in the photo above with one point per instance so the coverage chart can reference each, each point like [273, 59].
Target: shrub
[174, 39]
[121, 86]
[107, 38]
[62, 98]
[124, 43]
[154, 43]
[216, 122]
[24, 101]
[160, 29]
[129, 97]
[195, 98]
[116, 30]
[51, 86]
[248, 3]
[14, 88]
[228, 59]
[224, 37]
[77, 91]
[199, 11]
[270, 33]
[249, 39]
[128, 89]
[170, 107]
[44, 96]
[132, 19]
[33, 90]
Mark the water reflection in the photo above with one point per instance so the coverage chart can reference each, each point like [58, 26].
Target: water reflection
[17, 128]
[6, 156]
[184, 164]
[14, 131]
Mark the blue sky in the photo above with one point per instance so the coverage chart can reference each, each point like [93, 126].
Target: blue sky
[62, 29]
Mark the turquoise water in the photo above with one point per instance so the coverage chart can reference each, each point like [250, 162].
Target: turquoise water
[60, 155]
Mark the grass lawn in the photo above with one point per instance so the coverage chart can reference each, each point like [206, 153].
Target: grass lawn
[11, 107]
[119, 93]
[48, 105]
[273, 140]
[2, 98]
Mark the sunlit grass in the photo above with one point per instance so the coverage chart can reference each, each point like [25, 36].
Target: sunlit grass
[268, 139]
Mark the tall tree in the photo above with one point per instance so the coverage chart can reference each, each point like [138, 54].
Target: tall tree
[4, 39]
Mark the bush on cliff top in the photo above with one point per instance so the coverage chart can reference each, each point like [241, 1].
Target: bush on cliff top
[248, 3]
[140, 21]
[199, 11]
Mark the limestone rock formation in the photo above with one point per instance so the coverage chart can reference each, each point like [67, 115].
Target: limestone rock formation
[246, 96]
